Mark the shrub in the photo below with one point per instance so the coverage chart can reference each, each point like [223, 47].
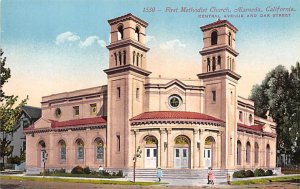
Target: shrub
[87, 170]
[269, 173]
[62, 170]
[77, 170]
[249, 173]
[14, 160]
[239, 174]
[259, 172]
[120, 173]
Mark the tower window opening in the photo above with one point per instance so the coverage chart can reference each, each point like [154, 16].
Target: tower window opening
[133, 59]
[124, 57]
[137, 33]
[219, 62]
[213, 64]
[137, 59]
[208, 64]
[229, 39]
[214, 96]
[120, 58]
[227, 62]
[137, 93]
[119, 92]
[116, 58]
[120, 32]
[214, 38]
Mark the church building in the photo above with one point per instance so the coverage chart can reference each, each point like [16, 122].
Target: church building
[177, 123]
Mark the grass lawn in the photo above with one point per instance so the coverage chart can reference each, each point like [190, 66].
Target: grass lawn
[78, 175]
[266, 180]
[80, 180]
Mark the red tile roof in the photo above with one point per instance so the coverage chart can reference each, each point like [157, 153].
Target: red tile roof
[252, 127]
[217, 23]
[79, 122]
[173, 115]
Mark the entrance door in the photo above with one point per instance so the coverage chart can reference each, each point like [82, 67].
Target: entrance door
[207, 157]
[42, 158]
[150, 157]
[181, 157]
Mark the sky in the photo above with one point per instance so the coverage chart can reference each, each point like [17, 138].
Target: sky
[54, 46]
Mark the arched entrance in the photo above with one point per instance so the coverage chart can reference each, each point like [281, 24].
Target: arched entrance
[181, 152]
[209, 152]
[42, 153]
[150, 151]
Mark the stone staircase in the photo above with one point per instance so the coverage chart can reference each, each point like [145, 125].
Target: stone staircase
[178, 173]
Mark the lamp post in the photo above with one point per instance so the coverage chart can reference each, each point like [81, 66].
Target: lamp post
[44, 159]
[136, 155]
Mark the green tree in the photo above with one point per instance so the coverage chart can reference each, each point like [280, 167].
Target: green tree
[294, 114]
[9, 110]
[276, 96]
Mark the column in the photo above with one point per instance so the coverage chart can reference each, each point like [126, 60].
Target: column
[169, 149]
[201, 150]
[163, 150]
[219, 150]
[196, 150]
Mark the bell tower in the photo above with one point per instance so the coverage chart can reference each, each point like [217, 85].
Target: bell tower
[220, 80]
[125, 88]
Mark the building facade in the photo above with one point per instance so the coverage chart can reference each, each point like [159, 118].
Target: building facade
[193, 123]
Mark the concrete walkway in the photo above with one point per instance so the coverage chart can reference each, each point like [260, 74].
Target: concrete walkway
[169, 182]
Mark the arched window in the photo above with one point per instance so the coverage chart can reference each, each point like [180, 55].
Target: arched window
[240, 115]
[256, 155]
[268, 150]
[238, 152]
[42, 144]
[213, 64]
[116, 58]
[228, 62]
[137, 33]
[62, 150]
[214, 38]
[137, 59]
[229, 39]
[141, 60]
[120, 58]
[248, 152]
[80, 149]
[99, 149]
[208, 64]
[250, 119]
[124, 57]
[219, 62]
[133, 58]
[120, 32]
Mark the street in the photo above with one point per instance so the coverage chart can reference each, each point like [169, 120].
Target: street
[16, 184]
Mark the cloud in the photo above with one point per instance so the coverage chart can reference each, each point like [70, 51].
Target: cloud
[172, 44]
[66, 37]
[150, 38]
[90, 41]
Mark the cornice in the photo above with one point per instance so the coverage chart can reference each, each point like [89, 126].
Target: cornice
[127, 68]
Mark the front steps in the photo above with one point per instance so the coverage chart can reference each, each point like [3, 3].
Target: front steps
[178, 173]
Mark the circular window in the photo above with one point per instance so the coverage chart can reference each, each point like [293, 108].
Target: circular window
[175, 101]
[57, 112]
